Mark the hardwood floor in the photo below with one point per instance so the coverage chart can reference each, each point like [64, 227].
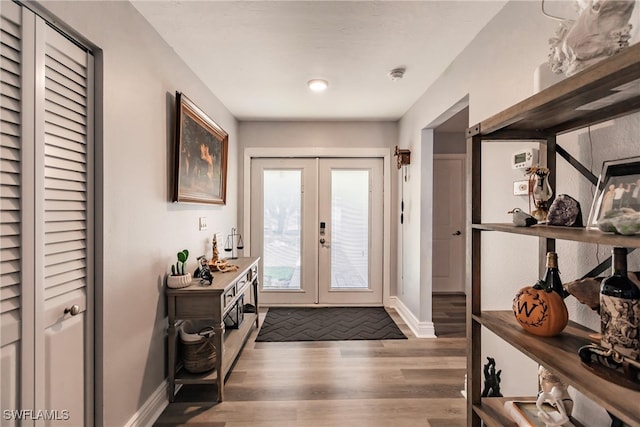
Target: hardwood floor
[412, 382]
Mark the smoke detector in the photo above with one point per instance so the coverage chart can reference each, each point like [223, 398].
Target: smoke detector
[397, 73]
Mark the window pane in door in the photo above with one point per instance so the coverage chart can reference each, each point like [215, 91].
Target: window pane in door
[282, 229]
[350, 229]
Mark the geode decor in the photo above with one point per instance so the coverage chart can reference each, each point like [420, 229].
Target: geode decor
[565, 211]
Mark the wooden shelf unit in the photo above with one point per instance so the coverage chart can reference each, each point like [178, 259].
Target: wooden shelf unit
[597, 94]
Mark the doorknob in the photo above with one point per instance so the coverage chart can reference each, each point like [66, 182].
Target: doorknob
[457, 233]
[73, 310]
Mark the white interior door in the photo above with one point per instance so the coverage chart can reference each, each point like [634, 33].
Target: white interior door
[448, 223]
[317, 224]
[46, 208]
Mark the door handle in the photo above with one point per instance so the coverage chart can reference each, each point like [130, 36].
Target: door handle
[457, 233]
[73, 310]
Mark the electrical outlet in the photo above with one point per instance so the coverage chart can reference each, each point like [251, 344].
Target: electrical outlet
[521, 188]
[202, 223]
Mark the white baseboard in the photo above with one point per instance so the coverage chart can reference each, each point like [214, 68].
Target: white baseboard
[152, 408]
[419, 329]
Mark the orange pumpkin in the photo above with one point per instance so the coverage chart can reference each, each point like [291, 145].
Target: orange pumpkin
[539, 311]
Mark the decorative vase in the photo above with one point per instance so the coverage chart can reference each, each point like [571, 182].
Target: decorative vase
[181, 281]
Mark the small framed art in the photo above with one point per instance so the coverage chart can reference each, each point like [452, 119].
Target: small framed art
[618, 188]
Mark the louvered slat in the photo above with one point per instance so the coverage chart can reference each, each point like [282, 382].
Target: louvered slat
[58, 290]
[51, 128]
[59, 268]
[67, 256]
[10, 158]
[66, 236]
[64, 164]
[69, 147]
[51, 183]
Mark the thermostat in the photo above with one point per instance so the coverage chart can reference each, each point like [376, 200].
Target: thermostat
[525, 158]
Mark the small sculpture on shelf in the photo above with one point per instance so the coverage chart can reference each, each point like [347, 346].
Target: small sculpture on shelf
[203, 271]
[491, 379]
[214, 250]
[540, 191]
[549, 381]
[218, 264]
[600, 30]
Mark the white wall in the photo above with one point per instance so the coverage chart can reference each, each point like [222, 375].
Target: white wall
[141, 229]
[495, 72]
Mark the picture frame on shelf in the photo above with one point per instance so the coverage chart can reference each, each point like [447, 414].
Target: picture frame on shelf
[200, 156]
[618, 187]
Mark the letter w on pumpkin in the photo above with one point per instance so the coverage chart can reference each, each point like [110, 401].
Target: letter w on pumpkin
[525, 306]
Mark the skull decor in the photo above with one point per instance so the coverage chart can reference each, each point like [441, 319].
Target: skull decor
[601, 29]
[540, 191]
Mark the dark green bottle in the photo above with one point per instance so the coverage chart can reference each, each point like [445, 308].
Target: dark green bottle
[552, 275]
[620, 309]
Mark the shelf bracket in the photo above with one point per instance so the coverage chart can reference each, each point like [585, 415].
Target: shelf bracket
[577, 165]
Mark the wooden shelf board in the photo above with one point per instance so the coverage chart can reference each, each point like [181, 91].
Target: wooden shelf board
[560, 355]
[234, 341]
[564, 106]
[565, 233]
[492, 411]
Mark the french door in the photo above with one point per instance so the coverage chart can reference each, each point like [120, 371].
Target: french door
[317, 224]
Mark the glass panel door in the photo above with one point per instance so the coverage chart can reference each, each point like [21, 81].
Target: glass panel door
[350, 229]
[282, 201]
[350, 257]
[284, 208]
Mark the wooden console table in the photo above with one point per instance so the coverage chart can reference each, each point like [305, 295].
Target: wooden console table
[213, 302]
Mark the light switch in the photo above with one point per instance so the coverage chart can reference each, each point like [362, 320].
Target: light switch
[202, 223]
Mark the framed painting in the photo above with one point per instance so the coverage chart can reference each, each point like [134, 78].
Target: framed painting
[201, 147]
[618, 189]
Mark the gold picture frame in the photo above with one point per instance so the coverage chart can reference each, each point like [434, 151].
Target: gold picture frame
[201, 150]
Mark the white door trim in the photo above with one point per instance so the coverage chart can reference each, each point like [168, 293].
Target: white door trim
[384, 153]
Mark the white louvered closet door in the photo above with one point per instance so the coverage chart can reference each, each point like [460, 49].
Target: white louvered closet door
[10, 205]
[55, 239]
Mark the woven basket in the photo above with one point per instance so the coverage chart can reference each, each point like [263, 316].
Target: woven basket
[197, 347]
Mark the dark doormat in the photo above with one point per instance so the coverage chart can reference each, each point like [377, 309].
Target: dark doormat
[328, 324]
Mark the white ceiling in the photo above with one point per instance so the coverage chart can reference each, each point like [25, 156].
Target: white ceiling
[256, 56]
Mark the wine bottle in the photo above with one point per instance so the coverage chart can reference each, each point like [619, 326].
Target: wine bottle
[620, 309]
[552, 275]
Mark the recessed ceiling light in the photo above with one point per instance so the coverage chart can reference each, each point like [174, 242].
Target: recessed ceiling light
[317, 85]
